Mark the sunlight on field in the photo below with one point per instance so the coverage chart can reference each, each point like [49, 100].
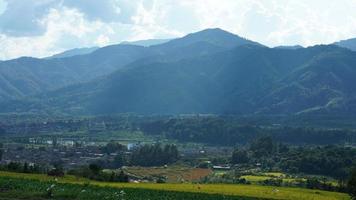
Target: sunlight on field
[256, 179]
[274, 174]
[238, 190]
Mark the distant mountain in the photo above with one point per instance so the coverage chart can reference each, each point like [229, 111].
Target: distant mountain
[205, 42]
[74, 52]
[211, 71]
[323, 85]
[350, 44]
[29, 76]
[289, 47]
[147, 43]
[245, 80]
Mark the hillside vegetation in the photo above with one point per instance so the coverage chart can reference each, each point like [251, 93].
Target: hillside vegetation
[211, 72]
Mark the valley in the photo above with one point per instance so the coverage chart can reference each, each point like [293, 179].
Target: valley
[208, 115]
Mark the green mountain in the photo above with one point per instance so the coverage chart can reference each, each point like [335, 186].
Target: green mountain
[74, 52]
[323, 85]
[26, 76]
[211, 71]
[349, 44]
[29, 76]
[248, 79]
[215, 36]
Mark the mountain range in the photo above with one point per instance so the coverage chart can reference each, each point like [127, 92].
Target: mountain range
[74, 52]
[349, 44]
[211, 71]
[147, 43]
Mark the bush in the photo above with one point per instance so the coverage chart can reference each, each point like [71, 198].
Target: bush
[58, 172]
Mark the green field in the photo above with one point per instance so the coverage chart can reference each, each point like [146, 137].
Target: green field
[256, 179]
[229, 191]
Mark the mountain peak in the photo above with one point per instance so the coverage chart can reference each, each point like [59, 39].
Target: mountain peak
[214, 32]
[214, 36]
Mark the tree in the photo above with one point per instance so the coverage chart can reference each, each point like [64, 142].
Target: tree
[58, 172]
[54, 142]
[26, 168]
[14, 166]
[119, 161]
[113, 147]
[95, 169]
[154, 155]
[239, 157]
[351, 184]
[123, 177]
[263, 146]
[2, 131]
[1, 151]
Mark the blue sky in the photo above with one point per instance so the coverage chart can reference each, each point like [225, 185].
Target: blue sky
[43, 27]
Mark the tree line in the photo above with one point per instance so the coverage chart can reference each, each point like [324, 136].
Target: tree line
[330, 160]
[221, 131]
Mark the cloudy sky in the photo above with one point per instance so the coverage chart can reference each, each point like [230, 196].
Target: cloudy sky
[43, 27]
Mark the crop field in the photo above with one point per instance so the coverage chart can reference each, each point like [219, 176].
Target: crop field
[174, 174]
[228, 191]
[275, 174]
[255, 179]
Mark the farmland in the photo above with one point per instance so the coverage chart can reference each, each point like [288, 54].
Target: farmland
[16, 185]
[173, 174]
[112, 158]
[256, 179]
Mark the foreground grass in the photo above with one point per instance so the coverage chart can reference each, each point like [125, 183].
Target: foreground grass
[252, 191]
[15, 188]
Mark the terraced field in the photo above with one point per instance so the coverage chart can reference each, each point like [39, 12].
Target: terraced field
[192, 191]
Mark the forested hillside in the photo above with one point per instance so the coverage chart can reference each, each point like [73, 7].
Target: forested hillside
[211, 71]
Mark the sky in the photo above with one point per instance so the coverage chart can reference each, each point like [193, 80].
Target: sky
[40, 28]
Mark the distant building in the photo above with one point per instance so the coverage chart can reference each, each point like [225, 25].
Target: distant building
[132, 146]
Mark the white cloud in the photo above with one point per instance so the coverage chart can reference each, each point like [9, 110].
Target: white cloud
[50, 26]
[102, 40]
[65, 28]
[308, 22]
[3, 6]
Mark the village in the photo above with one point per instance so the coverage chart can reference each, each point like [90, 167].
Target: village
[73, 153]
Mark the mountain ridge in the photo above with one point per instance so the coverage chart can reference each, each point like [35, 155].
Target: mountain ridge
[227, 82]
[348, 43]
[73, 52]
[211, 71]
[82, 68]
